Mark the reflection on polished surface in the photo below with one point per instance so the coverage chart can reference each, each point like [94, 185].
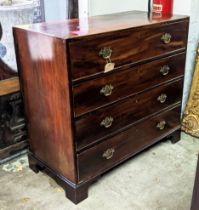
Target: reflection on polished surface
[98, 24]
[159, 16]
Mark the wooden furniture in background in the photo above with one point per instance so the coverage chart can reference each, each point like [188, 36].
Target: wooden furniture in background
[190, 123]
[13, 135]
[39, 11]
[95, 98]
[73, 9]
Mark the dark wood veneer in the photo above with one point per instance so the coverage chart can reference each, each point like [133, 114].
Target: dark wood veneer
[125, 113]
[43, 81]
[126, 48]
[126, 144]
[61, 75]
[131, 81]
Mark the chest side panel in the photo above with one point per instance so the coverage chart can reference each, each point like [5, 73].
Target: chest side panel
[42, 62]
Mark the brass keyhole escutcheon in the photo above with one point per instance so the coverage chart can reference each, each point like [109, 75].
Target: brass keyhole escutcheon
[107, 90]
[107, 122]
[166, 38]
[161, 125]
[165, 70]
[162, 98]
[108, 154]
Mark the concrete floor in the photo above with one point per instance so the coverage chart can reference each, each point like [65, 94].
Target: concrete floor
[160, 178]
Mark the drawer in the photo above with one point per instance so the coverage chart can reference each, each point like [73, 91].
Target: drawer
[93, 94]
[98, 159]
[89, 55]
[103, 122]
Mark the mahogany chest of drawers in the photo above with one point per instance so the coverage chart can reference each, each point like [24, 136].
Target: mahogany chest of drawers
[98, 91]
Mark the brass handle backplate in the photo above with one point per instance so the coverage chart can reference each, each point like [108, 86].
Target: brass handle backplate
[107, 122]
[108, 154]
[162, 98]
[106, 53]
[107, 90]
[166, 38]
[165, 70]
[161, 125]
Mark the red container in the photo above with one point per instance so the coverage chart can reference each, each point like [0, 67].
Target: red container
[162, 6]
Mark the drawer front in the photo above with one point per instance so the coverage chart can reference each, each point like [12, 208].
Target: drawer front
[98, 159]
[103, 122]
[96, 93]
[90, 55]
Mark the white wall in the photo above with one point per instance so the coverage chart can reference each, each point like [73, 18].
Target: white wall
[182, 7]
[83, 8]
[99, 7]
[55, 10]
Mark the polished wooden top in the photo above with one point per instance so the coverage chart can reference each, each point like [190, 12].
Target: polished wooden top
[75, 28]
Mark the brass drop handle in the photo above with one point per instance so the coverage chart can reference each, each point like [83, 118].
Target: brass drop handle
[107, 90]
[107, 122]
[161, 125]
[165, 70]
[108, 154]
[106, 52]
[166, 38]
[162, 98]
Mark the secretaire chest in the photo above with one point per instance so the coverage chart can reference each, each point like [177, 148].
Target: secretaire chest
[98, 91]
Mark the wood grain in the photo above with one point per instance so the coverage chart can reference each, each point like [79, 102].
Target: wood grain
[126, 144]
[9, 86]
[126, 48]
[125, 113]
[127, 82]
[13, 150]
[45, 89]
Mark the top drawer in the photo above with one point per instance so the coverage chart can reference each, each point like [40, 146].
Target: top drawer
[89, 55]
